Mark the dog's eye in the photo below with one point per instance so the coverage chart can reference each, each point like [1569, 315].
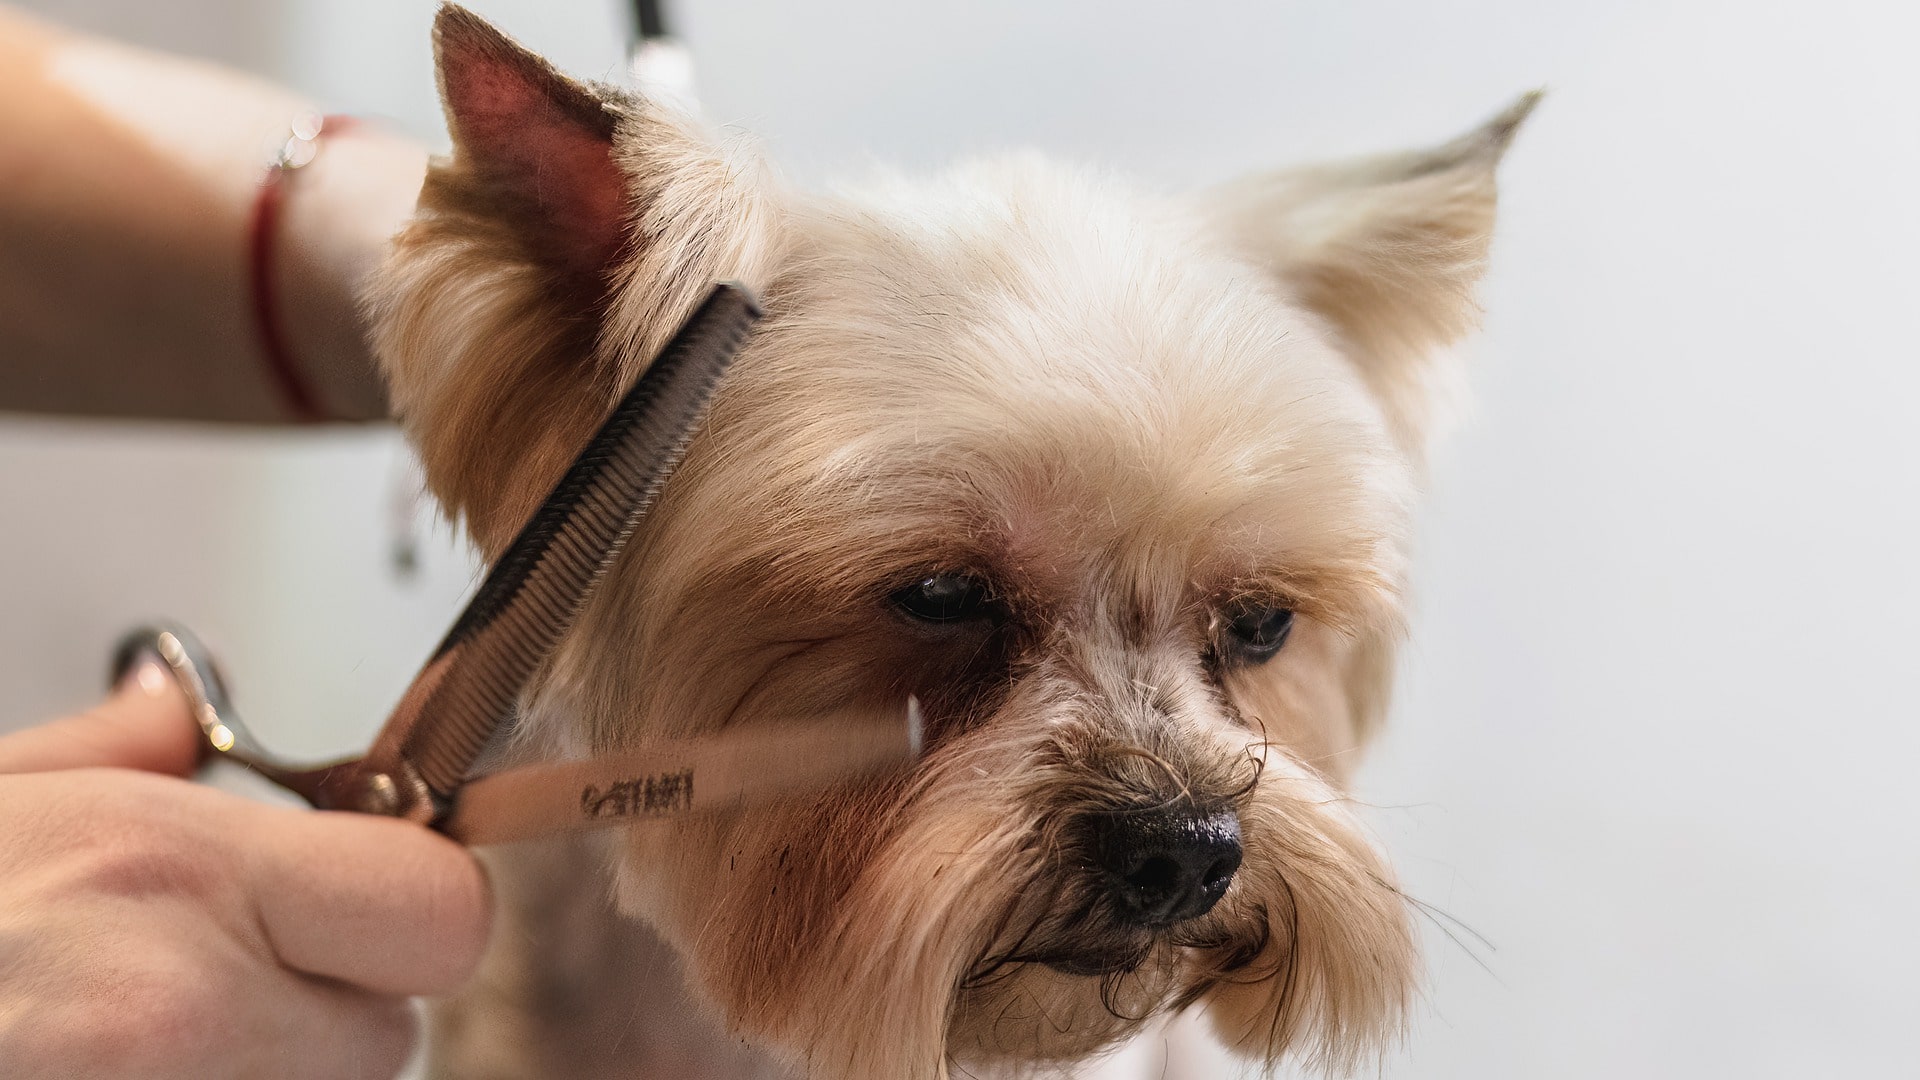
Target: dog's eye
[1256, 633]
[945, 598]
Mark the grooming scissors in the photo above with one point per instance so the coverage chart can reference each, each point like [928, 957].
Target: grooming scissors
[420, 765]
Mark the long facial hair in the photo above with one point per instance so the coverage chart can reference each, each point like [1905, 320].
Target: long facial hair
[951, 906]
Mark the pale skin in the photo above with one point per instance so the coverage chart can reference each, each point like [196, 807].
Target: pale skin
[152, 927]
[127, 182]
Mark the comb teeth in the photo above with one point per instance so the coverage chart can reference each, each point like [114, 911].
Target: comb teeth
[537, 589]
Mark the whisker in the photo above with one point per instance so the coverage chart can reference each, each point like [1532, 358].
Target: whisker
[1435, 914]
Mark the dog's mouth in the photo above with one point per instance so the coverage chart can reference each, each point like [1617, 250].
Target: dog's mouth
[1097, 962]
[1122, 954]
[1090, 941]
[1113, 953]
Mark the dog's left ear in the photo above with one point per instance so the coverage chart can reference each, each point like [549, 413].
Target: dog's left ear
[1388, 250]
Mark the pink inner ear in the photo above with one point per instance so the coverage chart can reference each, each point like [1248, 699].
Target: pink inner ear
[546, 143]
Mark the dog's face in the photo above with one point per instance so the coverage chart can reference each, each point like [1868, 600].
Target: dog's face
[1116, 485]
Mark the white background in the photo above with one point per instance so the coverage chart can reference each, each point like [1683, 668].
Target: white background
[1657, 726]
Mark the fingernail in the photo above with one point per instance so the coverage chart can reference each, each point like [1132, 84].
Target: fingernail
[147, 676]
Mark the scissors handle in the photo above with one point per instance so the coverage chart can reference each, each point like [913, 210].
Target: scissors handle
[662, 779]
[342, 785]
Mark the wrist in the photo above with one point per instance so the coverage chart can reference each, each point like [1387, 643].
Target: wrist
[159, 161]
[338, 213]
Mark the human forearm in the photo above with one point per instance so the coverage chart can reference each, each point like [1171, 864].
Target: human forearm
[127, 181]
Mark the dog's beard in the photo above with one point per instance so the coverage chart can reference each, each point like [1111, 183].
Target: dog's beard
[950, 915]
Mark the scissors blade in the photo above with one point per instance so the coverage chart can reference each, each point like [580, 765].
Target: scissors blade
[735, 767]
[537, 589]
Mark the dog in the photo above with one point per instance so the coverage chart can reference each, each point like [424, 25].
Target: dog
[1117, 484]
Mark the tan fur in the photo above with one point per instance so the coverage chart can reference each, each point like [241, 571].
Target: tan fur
[575, 990]
[1130, 413]
[1389, 250]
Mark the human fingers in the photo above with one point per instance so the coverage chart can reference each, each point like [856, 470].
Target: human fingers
[382, 904]
[139, 939]
[379, 903]
[145, 725]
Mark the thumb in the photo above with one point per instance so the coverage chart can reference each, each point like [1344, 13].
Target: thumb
[145, 725]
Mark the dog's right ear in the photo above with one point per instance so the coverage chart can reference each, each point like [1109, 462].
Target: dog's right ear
[537, 144]
[572, 229]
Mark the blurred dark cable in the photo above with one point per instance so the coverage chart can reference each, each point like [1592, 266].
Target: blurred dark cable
[649, 20]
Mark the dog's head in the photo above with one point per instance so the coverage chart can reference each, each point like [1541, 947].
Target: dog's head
[1116, 484]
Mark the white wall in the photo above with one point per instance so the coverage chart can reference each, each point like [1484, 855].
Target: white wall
[1657, 727]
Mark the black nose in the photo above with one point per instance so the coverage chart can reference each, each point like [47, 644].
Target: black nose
[1166, 866]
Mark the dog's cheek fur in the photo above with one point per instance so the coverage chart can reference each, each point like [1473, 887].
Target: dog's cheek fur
[1321, 697]
[874, 900]
[1331, 984]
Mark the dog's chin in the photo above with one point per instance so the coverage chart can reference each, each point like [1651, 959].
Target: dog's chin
[1066, 1004]
[1068, 992]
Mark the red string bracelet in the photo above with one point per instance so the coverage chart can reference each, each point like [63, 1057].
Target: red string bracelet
[296, 394]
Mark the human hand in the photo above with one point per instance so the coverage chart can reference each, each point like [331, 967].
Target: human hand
[155, 928]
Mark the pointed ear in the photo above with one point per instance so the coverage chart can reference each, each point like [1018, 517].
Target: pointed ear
[1387, 250]
[537, 143]
[550, 257]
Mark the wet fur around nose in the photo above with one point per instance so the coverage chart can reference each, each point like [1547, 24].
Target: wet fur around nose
[1132, 416]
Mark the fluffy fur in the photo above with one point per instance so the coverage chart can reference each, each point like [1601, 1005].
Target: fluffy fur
[1132, 414]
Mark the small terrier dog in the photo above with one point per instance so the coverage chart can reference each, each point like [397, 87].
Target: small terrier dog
[1117, 484]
